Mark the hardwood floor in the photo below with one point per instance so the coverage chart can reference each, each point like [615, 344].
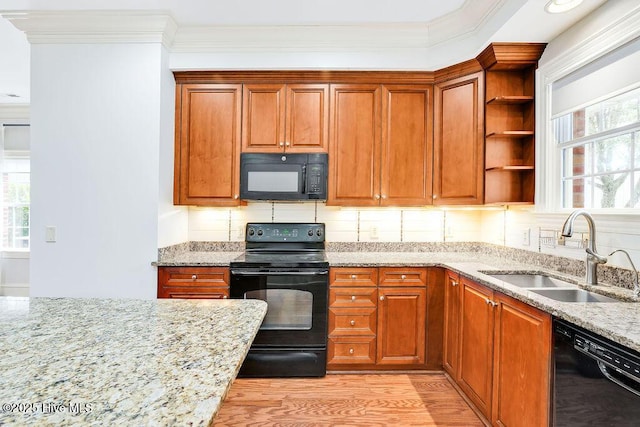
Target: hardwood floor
[370, 400]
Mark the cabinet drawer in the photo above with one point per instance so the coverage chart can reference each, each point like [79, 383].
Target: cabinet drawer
[348, 276]
[351, 350]
[193, 276]
[352, 297]
[352, 321]
[403, 276]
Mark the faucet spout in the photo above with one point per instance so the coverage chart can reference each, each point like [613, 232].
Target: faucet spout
[593, 258]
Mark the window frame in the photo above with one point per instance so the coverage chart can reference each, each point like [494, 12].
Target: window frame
[548, 153]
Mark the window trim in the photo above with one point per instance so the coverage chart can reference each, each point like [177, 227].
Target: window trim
[597, 44]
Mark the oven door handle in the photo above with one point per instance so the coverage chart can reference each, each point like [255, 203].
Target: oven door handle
[278, 273]
[605, 372]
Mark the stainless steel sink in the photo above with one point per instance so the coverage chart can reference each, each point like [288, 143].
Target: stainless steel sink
[573, 295]
[532, 280]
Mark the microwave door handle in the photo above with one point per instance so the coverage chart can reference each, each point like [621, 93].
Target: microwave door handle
[304, 179]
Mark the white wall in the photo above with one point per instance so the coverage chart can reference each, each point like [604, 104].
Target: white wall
[97, 125]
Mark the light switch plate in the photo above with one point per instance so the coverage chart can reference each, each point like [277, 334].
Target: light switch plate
[49, 234]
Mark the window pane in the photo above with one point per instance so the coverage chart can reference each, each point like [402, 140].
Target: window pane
[612, 191]
[576, 161]
[613, 154]
[613, 113]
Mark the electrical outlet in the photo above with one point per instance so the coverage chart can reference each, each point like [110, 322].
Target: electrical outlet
[373, 232]
[526, 237]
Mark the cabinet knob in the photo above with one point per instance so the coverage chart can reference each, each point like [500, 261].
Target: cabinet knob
[376, 196]
[351, 351]
[287, 144]
[194, 277]
[353, 297]
[281, 144]
[488, 301]
[384, 196]
[352, 323]
[224, 297]
[236, 196]
[454, 283]
[435, 196]
[353, 277]
[381, 297]
[404, 276]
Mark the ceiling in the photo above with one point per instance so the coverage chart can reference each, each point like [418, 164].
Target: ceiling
[453, 30]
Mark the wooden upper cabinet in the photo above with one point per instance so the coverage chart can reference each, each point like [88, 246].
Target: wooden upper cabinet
[406, 165]
[207, 149]
[354, 146]
[285, 117]
[459, 141]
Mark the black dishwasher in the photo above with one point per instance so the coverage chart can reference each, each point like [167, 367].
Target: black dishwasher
[596, 381]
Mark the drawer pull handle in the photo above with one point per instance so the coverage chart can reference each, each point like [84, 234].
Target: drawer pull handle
[353, 297]
[404, 276]
[354, 277]
[194, 277]
[353, 323]
[351, 351]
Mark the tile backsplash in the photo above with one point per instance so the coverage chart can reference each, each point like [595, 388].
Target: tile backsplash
[518, 227]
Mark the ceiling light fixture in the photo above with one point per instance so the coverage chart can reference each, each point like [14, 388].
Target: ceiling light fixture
[560, 6]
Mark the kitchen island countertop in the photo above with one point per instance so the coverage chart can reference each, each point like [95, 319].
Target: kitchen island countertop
[68, 361]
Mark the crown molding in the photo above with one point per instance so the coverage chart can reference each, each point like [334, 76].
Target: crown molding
[94, 26]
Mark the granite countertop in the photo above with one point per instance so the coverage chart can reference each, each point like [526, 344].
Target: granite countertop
[619, 321]
[68, 361]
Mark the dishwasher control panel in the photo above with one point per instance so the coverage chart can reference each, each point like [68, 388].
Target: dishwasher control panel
[616, 358]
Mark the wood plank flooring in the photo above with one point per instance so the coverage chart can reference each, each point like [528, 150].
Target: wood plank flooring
[370, 400]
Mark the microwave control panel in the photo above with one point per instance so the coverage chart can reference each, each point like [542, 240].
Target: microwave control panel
[315, 179]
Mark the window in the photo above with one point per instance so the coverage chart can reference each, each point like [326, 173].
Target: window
[600, 153]
[16, 168]
[15, 212]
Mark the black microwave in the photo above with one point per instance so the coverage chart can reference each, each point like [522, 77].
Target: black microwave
[282, 176]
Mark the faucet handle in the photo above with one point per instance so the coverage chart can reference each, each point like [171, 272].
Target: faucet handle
[596, 257]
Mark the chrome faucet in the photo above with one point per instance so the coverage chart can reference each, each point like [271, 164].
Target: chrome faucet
[593, 258]
[636, 285]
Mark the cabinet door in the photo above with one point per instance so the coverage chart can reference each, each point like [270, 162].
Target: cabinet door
[207, 156]
[451, 324]
[354, 145]
[522, 364]
[476, 344]
[459, 141]
[307, 120]
[401, 326]
[263, 118]
[406, 145]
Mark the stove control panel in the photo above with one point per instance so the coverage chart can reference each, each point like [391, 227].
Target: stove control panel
[284, 232]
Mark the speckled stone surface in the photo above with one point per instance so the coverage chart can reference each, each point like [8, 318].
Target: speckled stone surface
[619, 321]
[105, 362]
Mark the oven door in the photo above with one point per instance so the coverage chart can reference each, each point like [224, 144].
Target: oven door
[297, 304]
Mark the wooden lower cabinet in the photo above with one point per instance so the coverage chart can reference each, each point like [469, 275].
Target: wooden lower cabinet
[522, 365]
[193, 282]
[501, 358]
[451, 328]
[380, 318]
[401, 326]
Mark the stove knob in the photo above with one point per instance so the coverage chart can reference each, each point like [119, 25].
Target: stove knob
[310, 233]
[251, 232]
[260, 232]
[318, 232]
